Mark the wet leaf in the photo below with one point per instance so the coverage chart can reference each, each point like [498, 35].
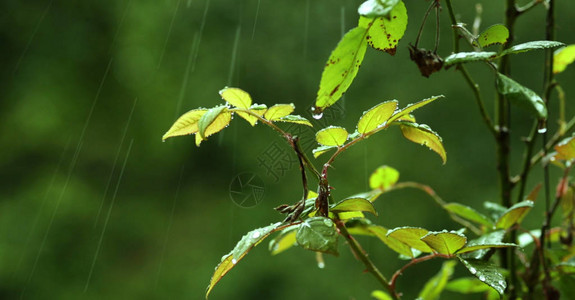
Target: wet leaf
[381, 295]
[381, 233]
[566, 149]
[384, 33]
[495, 34]
[445, 242]
[411, 107]
[341, 68]
[354, 204]
[383, 178]
[321, 150]
[318, 234]
[423, 135]
[495, 237]
[284, 241]
[486, 273]
[468, 213]
[376, 116]
[295, 119]
[236, 97]
[521, 96]
[467, 285]
[484, 246]
[411, 236]
[434, 286]
[332, 136]
[495, 209]
[213, 121]
[514, 214]
[248, 241]
[346, 215]
[258, 109]
[376, 8]
[562, 58]
[371, 195]
[534, 45]
[186, 124]
[465, 57]
[278, 111]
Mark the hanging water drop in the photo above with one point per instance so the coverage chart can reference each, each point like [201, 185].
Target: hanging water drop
[320, 264]
[542, 130]
[316, 113]
[541, 127]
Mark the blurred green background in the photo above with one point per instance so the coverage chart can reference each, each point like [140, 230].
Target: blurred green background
[93, 205]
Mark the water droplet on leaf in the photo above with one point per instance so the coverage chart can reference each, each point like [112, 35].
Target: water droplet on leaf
[482, 278]
[320, 264]
[472, 270]
[328, 222]
[234, 261]
[256, 235]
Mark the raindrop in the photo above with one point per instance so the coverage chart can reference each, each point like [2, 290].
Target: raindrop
[316, 112]
[234, 261]
[482, 278]
[320, 264]
[501, 283]
[542, 130]
[256, 235]
[317, 116]
[472, 270]
[328, 222]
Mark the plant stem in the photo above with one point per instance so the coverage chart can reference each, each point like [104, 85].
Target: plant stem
[360, 253]
[412, 263]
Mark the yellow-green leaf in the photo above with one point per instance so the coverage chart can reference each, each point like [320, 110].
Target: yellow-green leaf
[363, 228]
[495, 34]
[248, 241]
[468, 213]
[285, 240]
[321, 150]
[295, 119]
[423, 135]
[562, 58]
[258, 109]
[332, 136]
[186, 124]
[383, 178]
[566, 149]
[236, 97]
[278, 111]
[445, 242]
[484, 246]
[346, 215]
[467, 285]
[209, 118]
[354, 204]
[514, 214]
[376, 116]
[341, 68]
[411, 236]
[384, 34]
[411, 107]
[377, 8]
[381, 295]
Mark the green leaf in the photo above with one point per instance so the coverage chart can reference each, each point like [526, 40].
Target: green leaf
[562, 58]
[486, 273]
[384, 33]
[495, 34]
[332, 136]
[521, 96]
[495, 237]
[411, 107]
[467, 285]
[248, 241]
[321, 150]
[468, 213]
[346, 215]
[278, 111]
[213, 121]
[566, 149]
[411, 236]
[381, 295]
[354, 204]
[433, 288]
[495, 209]
[371, 195]
[341, 68]
[464, 57]
[444, 242]
[514, 214]
[376, 116]
[236, 97]
[284, 241]
[423, 135]
[383, 178]
[366, 228]
[377, 8]
[295, 119]
[534, 45]
[484, 246]
[318, 234]
[186, 124]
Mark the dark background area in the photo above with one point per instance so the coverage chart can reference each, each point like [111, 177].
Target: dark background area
[93, 205]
